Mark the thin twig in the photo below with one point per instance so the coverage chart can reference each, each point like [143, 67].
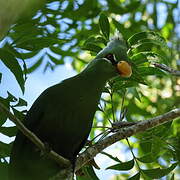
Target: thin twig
[31, 136]
[168, 69]
[123, 133]
[112, 107]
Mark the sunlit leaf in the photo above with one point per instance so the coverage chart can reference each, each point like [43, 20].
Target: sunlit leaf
[148, 35]
[143, 57]
[172, 177]
[135, 177]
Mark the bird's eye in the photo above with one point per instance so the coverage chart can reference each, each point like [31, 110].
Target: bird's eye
[111, 58]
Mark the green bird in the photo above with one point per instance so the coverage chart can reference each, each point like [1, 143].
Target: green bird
[62, 116]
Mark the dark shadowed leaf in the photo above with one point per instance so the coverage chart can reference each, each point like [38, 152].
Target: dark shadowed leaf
[110, 156]
[35, 44]
[92, 47]
[148, 158]
[35, 65]
[158, 173]
[11, 62]
[56, 61]
[4, 149]
[145, 71]
[29, 54]
[3, 116]
[8, 131]
[88, 173]
[117, 8]
[21, 102]
[104, 25]
[123, 166]
[4, 171]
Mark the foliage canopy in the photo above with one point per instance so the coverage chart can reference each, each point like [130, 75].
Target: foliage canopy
[69, 30]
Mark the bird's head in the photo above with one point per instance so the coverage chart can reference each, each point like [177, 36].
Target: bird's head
[111, 61]
[116, 54]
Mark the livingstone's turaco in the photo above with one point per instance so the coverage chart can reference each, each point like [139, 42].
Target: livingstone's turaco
[62, 115]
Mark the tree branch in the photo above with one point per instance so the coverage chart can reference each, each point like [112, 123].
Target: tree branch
[168, 69]
[31, 136]
[92, 151]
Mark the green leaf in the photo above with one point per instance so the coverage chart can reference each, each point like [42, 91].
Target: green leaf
[172, 177]
[146, 46]
[148, 158]
[145, 71]
[110, 156]
[9, 131]
[158, 173]
[145, 36]
[4, 171]
[29, 54]
[96, 40]
[135, 177]
[150, 41]
[123, 166]
[3, 115]
[55, 60]
[92, 47]
[104, 25]
[117, 8]
[5, 149]
[21, 102]
[35, 44]
[143, 57]
[18, 114]
[89, 173]
[11, 62]
[101, 39]
[35, 65]
[135, 93]
[121, 29]
[61, 52]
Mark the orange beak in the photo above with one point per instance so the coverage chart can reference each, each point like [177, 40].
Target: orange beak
[124, 69]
